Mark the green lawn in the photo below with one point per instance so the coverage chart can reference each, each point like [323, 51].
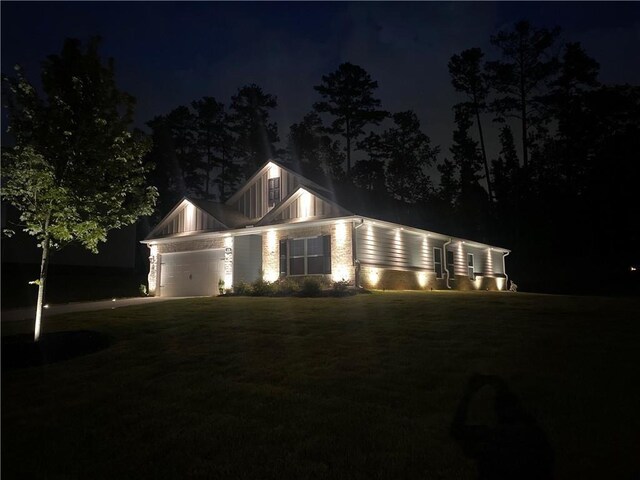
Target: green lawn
[358, 387]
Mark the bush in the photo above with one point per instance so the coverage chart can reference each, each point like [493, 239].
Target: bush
[340, 286]
[262, 288]
[286, 286]
[143, 290]
[311, 287]
[242, 288]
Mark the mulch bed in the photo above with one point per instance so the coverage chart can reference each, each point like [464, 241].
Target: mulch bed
[20, 351]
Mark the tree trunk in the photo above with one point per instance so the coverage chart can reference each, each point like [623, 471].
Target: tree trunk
[348, 138]
[41, 286]
[484, 156]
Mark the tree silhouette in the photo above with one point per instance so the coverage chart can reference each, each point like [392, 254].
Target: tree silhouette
[526, 67]
[315, 151]
[347, 96]
[212, 137]
[407, 152]
[249, 120]
[467, 77]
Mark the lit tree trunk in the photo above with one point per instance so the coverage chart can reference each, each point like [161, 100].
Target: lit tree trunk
[42, 284]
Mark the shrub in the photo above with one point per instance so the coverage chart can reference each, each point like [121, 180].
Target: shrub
[262, 288]
[143, 290]
[340, 286]
[242, 288]
[311, 287]
[286, 286]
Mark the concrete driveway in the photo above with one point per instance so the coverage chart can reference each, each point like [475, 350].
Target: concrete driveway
[30, 312]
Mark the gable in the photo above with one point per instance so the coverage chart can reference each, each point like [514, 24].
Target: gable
[186, 218]
[303, 204]
[252, 199]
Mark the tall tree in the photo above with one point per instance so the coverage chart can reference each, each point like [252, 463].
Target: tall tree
[460, 177]
[76, 170]
[370, 174]
[527, 66]
[249, 120]
[568, 103]
[213, 138]
[315, 151]
[468, 77]
[408, 152]
[181, 123]
[166, 174]
[348, 96]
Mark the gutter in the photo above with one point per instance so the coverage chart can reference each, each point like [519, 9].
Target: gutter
[354, 253]
[444, 260]
[504, 270]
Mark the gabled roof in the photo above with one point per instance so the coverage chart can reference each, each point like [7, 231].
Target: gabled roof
[289, 199]
[225, 214]
[261, 170]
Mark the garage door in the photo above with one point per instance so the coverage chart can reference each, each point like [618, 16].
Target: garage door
[191, 273]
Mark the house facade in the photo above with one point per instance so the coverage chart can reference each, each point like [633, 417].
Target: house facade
[281, 224]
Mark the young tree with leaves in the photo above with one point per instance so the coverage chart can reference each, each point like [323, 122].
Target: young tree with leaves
[348, 96]
[76, 170]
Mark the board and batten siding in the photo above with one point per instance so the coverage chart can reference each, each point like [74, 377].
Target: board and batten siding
[394, 248]
[190, 219]
[254, 202]
[305, 206]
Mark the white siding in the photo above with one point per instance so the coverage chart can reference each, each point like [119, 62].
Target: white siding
[254, 202]
[190, 219]
[394, 248]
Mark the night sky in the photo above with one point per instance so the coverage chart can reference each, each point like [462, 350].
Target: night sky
[168, 54]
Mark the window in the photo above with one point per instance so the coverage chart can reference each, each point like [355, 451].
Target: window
[472, 275]
[274, 191]
[437, 262]
[450, 265]
[305, 256]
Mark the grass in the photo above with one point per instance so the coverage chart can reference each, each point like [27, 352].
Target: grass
[357, 387]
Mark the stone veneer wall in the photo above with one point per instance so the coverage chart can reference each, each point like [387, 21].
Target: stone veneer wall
[341, 249]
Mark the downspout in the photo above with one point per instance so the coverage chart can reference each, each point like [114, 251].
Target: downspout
[504, 270]
[354, 253]
[444, 261]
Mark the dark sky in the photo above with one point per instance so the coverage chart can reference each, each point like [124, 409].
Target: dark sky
[168, 54]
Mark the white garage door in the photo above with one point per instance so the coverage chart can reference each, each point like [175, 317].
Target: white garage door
[191, 273]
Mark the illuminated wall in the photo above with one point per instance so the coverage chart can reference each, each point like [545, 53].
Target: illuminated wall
[154, 270]
[341, 250]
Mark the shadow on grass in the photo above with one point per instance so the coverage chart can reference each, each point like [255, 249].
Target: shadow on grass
[509, 446]
[20, 351]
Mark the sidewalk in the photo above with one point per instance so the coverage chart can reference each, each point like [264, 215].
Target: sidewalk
[28, 313]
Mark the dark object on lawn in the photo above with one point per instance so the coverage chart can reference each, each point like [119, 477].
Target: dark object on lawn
[20, 351]
[515, 447]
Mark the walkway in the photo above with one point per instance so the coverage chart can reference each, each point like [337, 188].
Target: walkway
[29, 312]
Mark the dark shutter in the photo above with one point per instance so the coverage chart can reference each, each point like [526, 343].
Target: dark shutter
[327, 253]
[283, 258]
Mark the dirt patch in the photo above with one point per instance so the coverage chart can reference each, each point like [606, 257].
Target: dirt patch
[20, 351]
